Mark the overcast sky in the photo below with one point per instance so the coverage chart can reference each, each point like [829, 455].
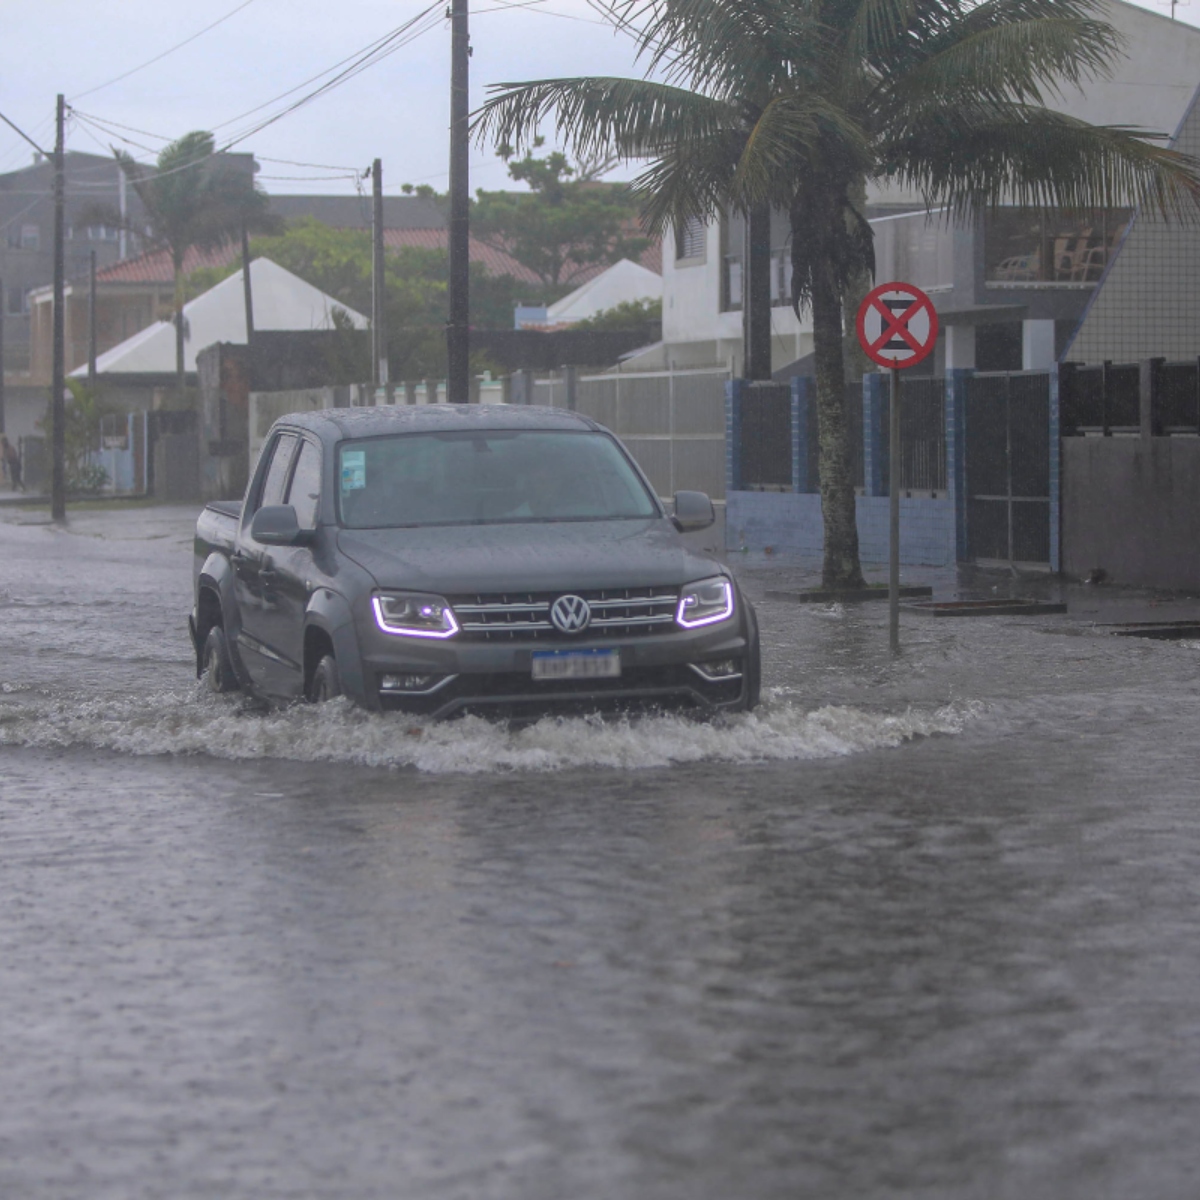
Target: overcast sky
[397, 110]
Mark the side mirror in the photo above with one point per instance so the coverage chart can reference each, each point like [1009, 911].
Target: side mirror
[276, 525]
[693, 510]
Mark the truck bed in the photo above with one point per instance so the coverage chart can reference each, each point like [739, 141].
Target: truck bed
[217, 528]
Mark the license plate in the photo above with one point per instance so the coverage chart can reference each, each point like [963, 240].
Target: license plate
[576, 664]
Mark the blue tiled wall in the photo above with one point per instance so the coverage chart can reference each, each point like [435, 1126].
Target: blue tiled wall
[792, 521]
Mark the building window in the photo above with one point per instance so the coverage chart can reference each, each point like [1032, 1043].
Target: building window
[17, 301]
[691, 240]
[31, 237]
[1051, 247]
[733, 248]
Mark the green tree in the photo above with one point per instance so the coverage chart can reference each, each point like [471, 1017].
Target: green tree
[84, 412]
[193, 197]
[568, 222]
[416, 303]
[629, 314]
[800, 104]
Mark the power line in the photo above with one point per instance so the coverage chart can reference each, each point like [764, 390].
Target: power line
[536, 6]
[377, 52]
[24, 135]
[287, 162]
[363, 51]
[159, 57]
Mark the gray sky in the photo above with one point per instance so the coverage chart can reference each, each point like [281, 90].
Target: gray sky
[397, 110]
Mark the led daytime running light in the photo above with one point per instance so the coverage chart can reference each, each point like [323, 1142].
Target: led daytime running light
[710, 617]
[382, 620]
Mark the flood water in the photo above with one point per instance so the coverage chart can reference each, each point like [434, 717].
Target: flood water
[922, 927]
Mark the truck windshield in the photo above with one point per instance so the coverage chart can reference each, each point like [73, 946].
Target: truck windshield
[487, 477]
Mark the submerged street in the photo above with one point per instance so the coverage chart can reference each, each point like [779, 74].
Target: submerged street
[920, 927]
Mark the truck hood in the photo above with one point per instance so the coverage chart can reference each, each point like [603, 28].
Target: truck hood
[566, 556]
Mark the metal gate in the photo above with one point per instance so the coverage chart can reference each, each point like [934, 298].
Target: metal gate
[1008, 466]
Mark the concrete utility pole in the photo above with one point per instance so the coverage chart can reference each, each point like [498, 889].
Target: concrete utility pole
[756, 294]
[246, 289]
[3, 303]
[379, 359]
[92, 323]
[458, 330]
[58, 484]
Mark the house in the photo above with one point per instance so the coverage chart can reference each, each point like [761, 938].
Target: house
[1009, 289]
[145, 362]
[625, 282]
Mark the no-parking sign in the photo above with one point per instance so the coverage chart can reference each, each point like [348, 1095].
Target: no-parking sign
[897, 325]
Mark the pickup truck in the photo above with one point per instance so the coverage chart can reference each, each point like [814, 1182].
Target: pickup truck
[443, 559]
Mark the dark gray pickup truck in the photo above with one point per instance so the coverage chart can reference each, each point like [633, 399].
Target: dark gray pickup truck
[465, 558]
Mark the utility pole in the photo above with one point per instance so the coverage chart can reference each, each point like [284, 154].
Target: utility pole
[92, 324]
[3, 304]
[379, 361]
[58, 493]
[458, 331]
[756, 294]
[246, 290]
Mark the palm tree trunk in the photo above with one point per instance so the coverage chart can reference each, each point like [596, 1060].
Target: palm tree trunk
[841, 567]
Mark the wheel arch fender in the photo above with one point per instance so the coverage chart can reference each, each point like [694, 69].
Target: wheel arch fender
[329, 614]
[216, 604]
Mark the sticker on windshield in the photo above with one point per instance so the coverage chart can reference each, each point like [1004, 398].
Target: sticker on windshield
[354, 470]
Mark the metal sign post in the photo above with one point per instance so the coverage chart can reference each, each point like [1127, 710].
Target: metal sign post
[897, 328]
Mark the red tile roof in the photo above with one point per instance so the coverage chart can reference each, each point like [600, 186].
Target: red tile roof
[155, 267]
[496, 262]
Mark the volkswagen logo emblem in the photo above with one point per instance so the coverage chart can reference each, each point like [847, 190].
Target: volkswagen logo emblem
[570, 614]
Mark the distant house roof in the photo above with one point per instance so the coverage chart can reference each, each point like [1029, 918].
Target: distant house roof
[623, 282]
[494, 261]
[281, 301]
[354, 212]
[155, 267]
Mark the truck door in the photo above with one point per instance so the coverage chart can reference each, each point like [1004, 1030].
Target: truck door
[255, 579]
[294, 572]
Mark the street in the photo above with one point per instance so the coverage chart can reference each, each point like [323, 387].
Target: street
[922, 927]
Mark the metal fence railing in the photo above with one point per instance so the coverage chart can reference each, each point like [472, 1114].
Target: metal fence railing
[673, 422]
[766, 441]
[766, 436]
[1101, 398]
[922, 434]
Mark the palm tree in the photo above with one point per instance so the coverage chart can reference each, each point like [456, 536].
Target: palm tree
[194, 197]
[801, 104]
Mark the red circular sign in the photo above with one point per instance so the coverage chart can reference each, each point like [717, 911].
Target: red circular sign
[897, 325]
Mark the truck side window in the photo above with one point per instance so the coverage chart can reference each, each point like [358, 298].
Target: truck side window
[305, 491]
[276, 478]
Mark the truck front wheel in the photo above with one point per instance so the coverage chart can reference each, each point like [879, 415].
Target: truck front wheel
[326, 683]
[218, 669]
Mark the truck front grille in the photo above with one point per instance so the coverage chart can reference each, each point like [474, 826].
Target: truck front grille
[523, 616]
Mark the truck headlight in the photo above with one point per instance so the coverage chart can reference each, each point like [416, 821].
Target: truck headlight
[705, 602]
[411, 614]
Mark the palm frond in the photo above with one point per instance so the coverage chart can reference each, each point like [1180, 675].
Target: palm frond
[632, 118]
[686, 182]
[797, 132]
[1020, 61]
[986, 155]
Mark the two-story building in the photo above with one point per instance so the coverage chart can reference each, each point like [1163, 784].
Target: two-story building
[1009, 288]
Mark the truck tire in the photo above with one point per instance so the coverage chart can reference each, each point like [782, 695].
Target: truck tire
[218, 668]
[326, 683]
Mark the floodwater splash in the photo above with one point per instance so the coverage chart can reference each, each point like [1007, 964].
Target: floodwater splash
[196, 722]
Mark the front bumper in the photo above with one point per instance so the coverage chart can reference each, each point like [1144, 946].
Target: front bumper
[658, 671]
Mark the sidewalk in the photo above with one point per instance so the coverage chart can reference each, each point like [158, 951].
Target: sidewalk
[1087, 604]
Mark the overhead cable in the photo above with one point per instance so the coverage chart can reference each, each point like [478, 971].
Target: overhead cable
[159, 57]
